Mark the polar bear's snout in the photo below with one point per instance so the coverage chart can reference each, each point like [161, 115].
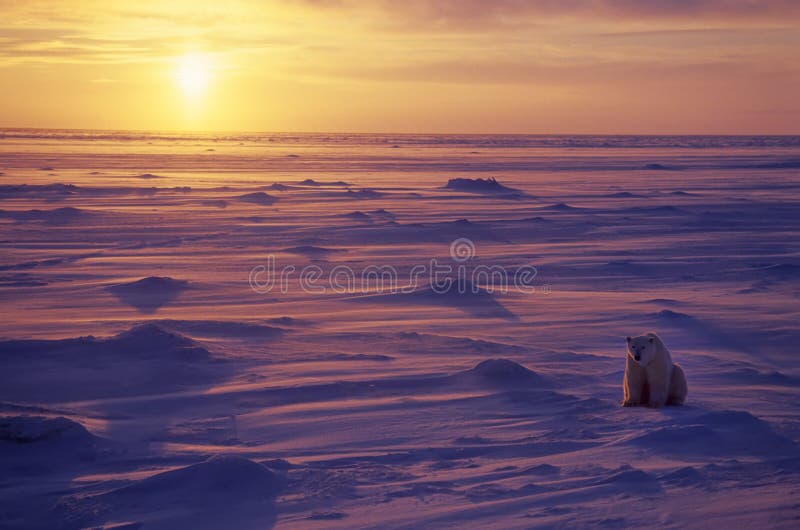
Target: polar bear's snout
[638, 349]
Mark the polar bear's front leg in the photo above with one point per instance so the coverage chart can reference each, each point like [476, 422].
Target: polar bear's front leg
[658, 378]
[633, 383]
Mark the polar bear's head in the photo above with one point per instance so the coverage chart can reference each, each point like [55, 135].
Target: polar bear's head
[642, 349]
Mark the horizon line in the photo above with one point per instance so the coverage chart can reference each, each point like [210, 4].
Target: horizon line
[230, 131]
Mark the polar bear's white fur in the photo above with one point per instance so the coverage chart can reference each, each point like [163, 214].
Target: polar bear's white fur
[651, 378]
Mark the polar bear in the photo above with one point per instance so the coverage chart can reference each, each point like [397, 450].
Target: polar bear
[651, 378]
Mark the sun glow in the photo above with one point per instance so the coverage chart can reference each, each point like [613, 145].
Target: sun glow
[193, 74]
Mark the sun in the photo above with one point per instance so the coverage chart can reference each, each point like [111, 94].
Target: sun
[193, 73]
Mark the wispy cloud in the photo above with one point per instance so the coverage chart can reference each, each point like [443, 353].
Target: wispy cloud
[481, 14]
[720, 54]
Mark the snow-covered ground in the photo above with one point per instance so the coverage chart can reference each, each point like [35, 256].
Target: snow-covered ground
[234, 332]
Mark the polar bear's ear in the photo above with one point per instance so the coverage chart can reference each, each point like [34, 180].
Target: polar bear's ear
[627, 339]
[652, 340]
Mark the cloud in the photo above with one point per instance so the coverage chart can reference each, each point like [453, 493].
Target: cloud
[469, 42]
[473, 13]
[527, 71]
[117, 32]
[483, 15]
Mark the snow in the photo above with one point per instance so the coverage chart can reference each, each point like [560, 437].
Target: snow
[222, 479]
[144, 384]
[479, 185]
[149, 294]
[257, 197]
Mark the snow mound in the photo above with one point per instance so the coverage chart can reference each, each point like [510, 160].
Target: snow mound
[687, 476]
[37, 444]
[287, 321]
[312, 182]
[364, 194]
[219, 481]
[623, 195]
[42, 430]
[44, 190]
[57, 216]
[311, 250]
[723, 433]
[668, 314]
[257, 197]
[657, 167]
[221, 328]
[154, 283]
[149, 338]
[149, 294]
[357, 215]
[628, 478]
[752, 376]
[308, 182]
[661, 301]
[503, 371]
[383, 213]
[464, 295]
[144, 359]
[458, 294]
[488, 185]
[561, 206]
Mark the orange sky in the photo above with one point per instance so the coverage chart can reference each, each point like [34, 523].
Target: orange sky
[455, 66]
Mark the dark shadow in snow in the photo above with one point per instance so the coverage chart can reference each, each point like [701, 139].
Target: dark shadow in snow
[464, 296]
[312, 251]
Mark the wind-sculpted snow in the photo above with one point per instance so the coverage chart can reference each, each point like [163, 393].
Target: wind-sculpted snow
[394, 331]
[728, 432]
[144, 359]
[464, 296]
